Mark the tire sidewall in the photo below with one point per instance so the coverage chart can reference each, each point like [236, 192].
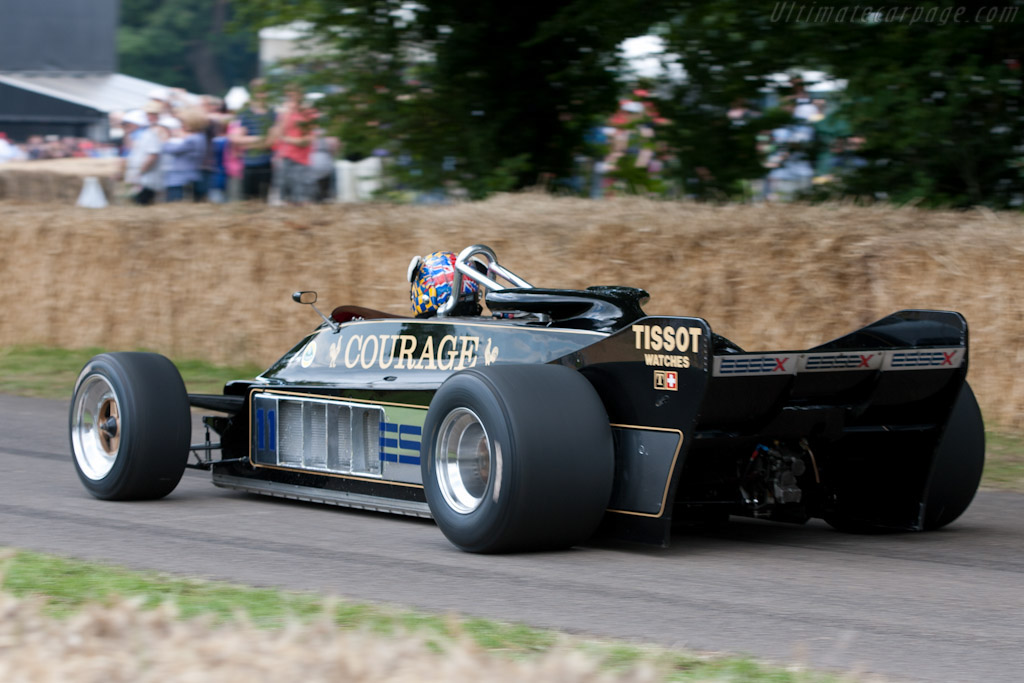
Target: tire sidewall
[552, 458]
[107, 486]
[154, 426]
[472, 531]
[958, 463]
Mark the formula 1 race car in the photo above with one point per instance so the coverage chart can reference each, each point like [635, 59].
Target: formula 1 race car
[558, 415]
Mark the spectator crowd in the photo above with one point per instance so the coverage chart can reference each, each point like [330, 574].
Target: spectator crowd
[180, 147]
[175, 148]
[54, 147]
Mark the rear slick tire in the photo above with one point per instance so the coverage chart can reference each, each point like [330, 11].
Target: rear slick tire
[955, 474]
[958, 464]
[517, 458]
[130, 426]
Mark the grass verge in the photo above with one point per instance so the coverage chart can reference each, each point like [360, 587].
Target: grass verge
[1004, 462]
[70, 585]
[51, 373]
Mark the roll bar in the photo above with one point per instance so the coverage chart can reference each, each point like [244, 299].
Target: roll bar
[464, 267]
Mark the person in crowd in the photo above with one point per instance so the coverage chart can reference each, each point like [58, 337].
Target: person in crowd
[7, 151]
[321, 163]
[35, 145]
[142, 169]
[216, 127]
[184, 151]
[217, 179]
[253, 138]
[132, 123]
[173, 100]
[234, 163]
[160, 97]
[116, 129]
[294, 147]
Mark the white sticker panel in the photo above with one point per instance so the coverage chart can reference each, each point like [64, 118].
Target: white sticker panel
[766, 364]
[925, 359]
[830, 362]
[760, 364]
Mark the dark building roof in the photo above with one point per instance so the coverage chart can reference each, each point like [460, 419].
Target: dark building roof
[58, 68]
[59, 35]
[66, 104]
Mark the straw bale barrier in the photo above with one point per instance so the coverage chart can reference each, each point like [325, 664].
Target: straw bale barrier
[121, 643]
[56, 180]
[215, 281]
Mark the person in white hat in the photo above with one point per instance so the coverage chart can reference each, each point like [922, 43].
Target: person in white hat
[132, 123]
[142, 169]
[162, 98]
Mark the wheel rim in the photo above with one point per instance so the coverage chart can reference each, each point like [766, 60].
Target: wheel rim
[96, 431]
[463, 460]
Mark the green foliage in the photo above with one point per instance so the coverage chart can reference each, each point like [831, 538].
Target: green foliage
[935, 91]
[494, 96]
[188, 44]
[50, 373]
[940, 108]
[716, 155]
[487, 96]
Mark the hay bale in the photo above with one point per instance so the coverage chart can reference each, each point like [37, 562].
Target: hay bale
[57, 181]
[215, 281]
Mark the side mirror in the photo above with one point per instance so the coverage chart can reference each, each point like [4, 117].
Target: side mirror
[309, 298]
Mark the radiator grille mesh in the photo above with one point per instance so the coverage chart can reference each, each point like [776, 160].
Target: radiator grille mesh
[317, 434]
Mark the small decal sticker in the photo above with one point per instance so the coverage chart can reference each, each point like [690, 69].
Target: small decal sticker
[490, 354]
[333, 351]
[666, 380]
[309, 354]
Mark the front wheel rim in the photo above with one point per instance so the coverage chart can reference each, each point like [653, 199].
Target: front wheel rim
[96, 427]
[464, 460]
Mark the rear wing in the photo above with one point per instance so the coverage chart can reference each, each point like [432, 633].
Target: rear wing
[903, 371]
[869, 411]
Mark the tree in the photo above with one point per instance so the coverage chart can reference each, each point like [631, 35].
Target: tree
[489, 96]
[940, 105]
[185, 43]
[935, 91]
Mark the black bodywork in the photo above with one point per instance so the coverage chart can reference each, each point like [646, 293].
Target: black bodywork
[853, 431]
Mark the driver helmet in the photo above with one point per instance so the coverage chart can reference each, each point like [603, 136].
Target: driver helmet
[431, 278]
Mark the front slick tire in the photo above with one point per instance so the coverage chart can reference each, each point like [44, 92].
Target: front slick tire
[130, 426]
[518, 458]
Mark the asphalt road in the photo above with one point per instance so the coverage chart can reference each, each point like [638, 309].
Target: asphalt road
[941, 606]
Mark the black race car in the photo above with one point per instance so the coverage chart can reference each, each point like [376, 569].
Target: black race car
[561, 414]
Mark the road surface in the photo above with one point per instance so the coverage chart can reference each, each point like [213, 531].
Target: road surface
[942, 606]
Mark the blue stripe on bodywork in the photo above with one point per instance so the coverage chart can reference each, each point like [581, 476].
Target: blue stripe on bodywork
[272, 428]
[260, 435]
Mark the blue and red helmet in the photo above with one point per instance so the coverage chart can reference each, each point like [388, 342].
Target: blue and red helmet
[431, 282]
